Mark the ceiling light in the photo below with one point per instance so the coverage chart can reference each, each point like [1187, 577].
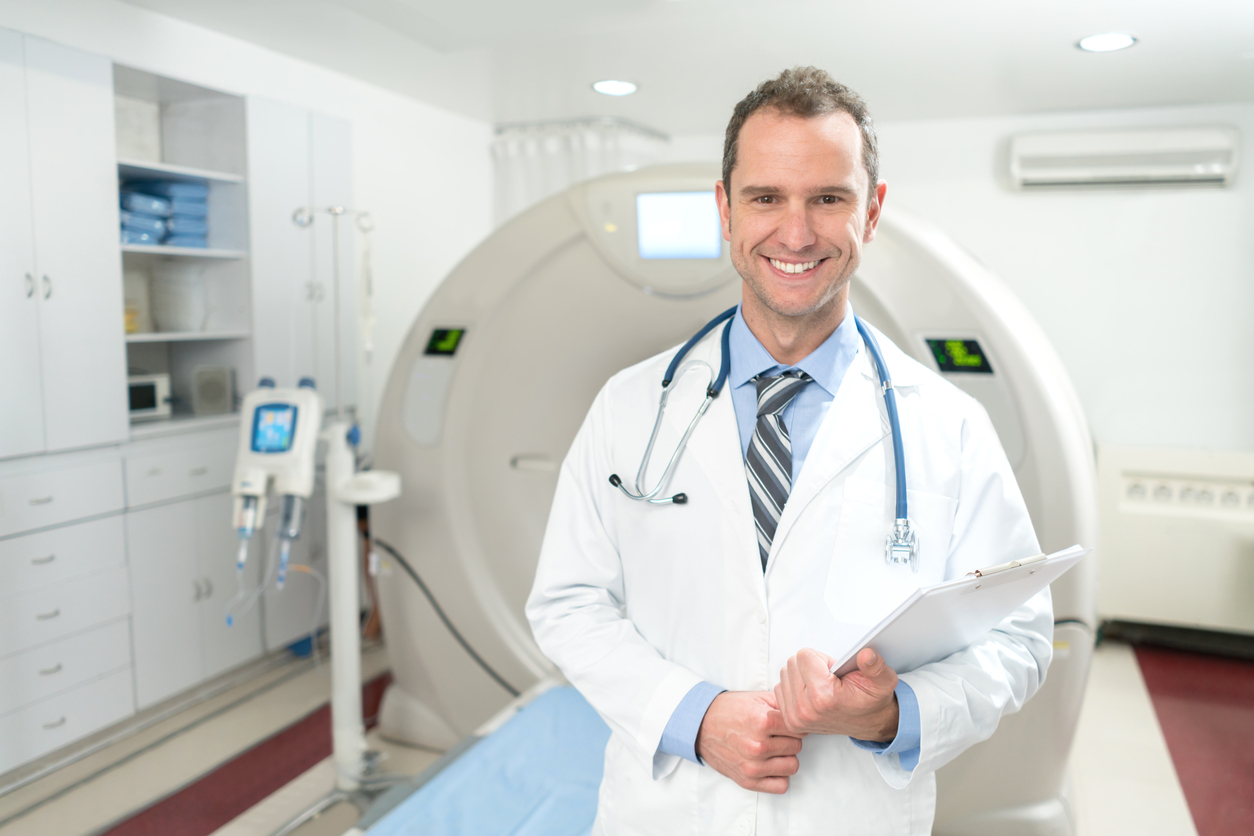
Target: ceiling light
[611, 87]
[1108, 42]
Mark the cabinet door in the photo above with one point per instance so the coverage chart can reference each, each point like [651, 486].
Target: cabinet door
[74, 195]
[224, 647]
[331, 147]
[281, 252]
[165, 591]
[21, 407]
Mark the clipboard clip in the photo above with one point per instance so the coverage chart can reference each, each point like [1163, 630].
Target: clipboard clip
[1001, 567]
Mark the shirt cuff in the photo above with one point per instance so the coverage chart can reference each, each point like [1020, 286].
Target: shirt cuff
[680, 735]
[906, 744]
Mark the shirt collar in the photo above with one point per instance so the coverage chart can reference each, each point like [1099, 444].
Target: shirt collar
[827, 364]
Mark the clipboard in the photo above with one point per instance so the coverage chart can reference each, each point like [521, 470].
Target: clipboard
[936, 621]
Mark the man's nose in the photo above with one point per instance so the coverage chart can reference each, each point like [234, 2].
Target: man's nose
[795, 231]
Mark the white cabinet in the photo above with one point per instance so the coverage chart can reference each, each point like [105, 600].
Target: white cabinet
[21, 407]
[298, 159]
[182, 576]
[50, 724]
[63, 368]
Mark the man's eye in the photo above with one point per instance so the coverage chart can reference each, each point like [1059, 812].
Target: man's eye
[766, 198]
[828, 199]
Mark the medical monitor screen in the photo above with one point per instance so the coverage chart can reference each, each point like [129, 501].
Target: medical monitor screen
[960, 356]
[678, 225]
[444, 341]
[274, 426]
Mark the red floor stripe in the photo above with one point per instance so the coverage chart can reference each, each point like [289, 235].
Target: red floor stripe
[229, 790]
[1205, 705]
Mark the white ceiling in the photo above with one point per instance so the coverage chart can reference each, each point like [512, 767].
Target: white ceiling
[525, 60]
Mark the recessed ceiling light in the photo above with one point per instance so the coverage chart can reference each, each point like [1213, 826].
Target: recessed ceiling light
[611, 87]
[1107, 42]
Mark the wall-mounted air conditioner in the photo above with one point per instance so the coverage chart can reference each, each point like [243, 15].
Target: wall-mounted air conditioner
[1144, 157]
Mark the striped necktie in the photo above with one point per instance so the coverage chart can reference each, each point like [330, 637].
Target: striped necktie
[769, 460]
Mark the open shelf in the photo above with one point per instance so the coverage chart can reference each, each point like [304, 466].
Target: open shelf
[192, 252]
[166, 171]
[186, 336]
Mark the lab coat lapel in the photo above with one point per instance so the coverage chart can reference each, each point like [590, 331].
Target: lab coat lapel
[715, 446]
[856, 420]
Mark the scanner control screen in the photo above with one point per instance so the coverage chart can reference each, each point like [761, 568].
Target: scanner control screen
[959, 356]
[678, 225]
[274, 425]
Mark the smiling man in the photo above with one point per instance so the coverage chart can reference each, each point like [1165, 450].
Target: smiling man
[700, 631]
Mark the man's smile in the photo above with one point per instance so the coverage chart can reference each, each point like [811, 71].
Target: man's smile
[794, 268]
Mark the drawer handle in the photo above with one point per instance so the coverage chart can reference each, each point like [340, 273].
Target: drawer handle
[153, 471]
[200, 593]
[47, 287]
[41, 561]
[50, 671]
[208, 588]
[198, 471]
[48, 616]
[30, 285]
[41, 500]
[55, 723]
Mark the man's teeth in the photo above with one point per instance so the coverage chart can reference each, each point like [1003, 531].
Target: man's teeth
[786, 267]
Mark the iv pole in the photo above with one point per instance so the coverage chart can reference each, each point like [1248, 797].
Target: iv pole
[355, 780]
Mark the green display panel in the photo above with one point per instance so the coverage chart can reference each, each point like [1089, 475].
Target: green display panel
[960, 356]
[444, 341]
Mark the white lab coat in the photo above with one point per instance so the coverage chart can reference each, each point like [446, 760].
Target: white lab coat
[636, 603]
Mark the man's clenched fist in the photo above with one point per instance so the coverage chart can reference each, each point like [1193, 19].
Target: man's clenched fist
[860, 704]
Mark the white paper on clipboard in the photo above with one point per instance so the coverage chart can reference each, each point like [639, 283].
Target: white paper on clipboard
[939, 620]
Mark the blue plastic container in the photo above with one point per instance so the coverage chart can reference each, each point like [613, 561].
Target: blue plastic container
[170, 188]
[189, 207]
[138, 236]
[198, 241]
[184, 225]
[145, 204]
[142, 223]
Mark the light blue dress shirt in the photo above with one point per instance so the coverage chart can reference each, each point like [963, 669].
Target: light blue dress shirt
[827, 364]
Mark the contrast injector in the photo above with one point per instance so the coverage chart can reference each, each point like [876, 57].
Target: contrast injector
[278, 448]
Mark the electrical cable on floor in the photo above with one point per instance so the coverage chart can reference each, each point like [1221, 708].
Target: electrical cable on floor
[449, 624]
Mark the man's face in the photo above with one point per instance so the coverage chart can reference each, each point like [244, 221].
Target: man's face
[797, 214]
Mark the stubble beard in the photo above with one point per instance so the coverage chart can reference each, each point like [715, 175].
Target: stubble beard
[776, 307]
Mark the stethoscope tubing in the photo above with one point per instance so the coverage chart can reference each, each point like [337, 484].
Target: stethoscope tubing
[716, 386]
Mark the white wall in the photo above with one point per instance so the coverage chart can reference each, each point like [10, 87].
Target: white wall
[1148, 295]
[424, 173]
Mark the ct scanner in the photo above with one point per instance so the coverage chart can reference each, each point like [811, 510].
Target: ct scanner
[500, 368]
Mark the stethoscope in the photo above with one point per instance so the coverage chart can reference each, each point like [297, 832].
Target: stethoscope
[900, 547]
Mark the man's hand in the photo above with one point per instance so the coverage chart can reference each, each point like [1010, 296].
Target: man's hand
[743, 737]
[861, 704]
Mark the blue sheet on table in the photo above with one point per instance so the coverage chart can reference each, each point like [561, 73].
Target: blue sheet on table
[537, 775]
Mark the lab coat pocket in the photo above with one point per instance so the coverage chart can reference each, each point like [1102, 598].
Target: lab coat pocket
[862, 587]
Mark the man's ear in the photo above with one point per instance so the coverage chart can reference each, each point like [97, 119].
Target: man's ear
[873, 210]
[724, 208]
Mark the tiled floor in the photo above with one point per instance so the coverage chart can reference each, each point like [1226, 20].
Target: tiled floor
[1124, 782]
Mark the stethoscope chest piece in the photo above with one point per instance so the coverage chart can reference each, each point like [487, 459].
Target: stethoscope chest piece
[902, 546]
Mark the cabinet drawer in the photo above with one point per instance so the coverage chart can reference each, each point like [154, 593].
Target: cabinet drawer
[40, 728]
[38, 560]
[170, 474]
[36, 674]
[42, 498]
[45, 614]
